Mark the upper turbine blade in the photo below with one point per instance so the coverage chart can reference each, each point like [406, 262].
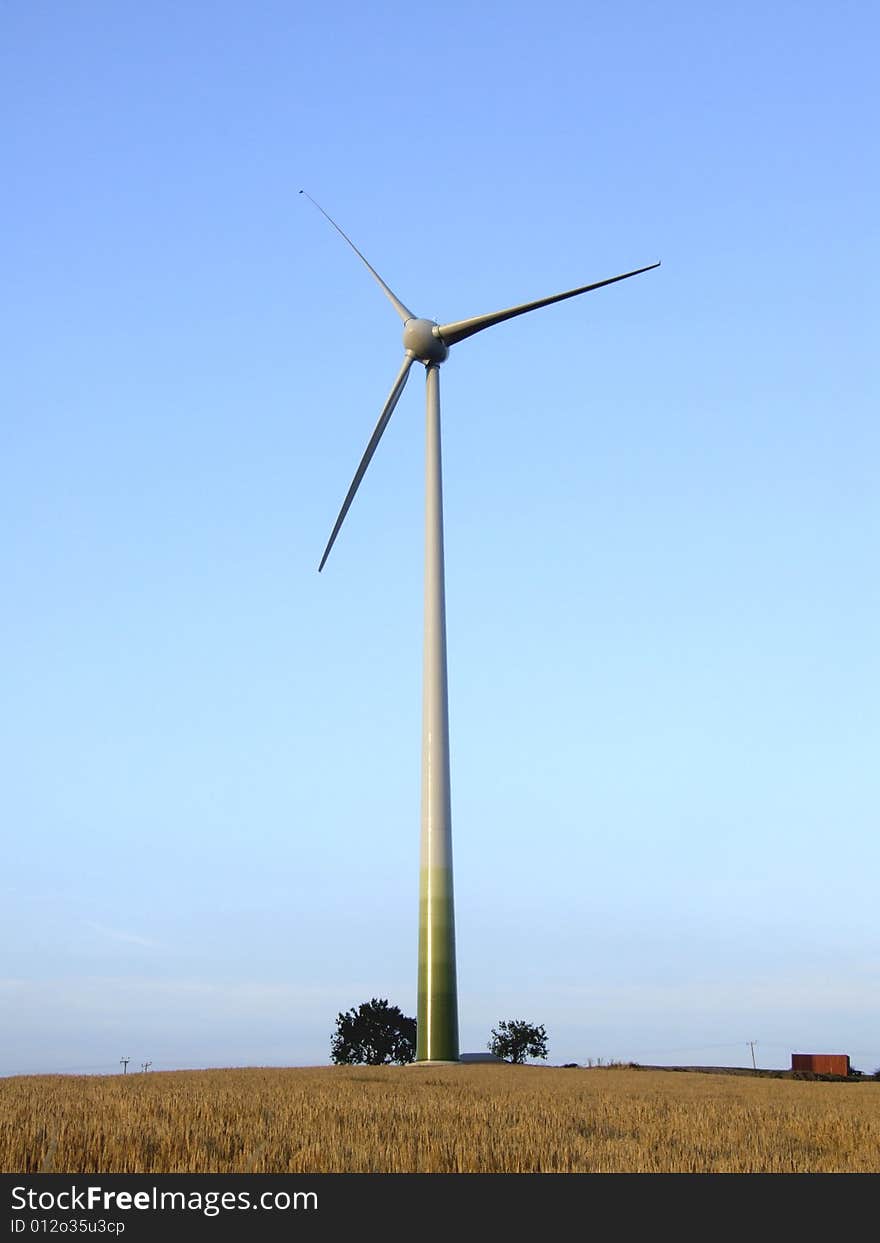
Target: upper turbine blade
[404, 312]
[461, 328]
[387, 411]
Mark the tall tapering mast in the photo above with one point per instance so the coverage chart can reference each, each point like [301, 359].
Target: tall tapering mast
[437, 1021]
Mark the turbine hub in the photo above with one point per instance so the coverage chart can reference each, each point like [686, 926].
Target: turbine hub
[422, 341]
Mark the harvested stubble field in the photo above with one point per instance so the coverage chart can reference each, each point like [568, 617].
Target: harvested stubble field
[469, 1119]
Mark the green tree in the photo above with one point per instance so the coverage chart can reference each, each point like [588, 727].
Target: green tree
[374, 1033]
[515, 1040]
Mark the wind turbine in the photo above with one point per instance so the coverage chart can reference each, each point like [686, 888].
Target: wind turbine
[429, 343]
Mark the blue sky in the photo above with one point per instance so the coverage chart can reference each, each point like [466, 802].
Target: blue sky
[661, 526]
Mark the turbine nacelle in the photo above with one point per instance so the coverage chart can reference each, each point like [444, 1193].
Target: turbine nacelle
[422, 340]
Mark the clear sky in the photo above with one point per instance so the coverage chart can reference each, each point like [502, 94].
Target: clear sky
[661, 505]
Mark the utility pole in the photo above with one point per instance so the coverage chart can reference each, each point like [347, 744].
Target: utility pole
[145, 1066]
[751, 1044]
[125, 1061]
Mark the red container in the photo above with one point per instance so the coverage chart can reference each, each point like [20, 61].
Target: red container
[821, 1063]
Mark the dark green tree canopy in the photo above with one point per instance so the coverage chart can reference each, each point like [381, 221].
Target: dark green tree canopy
[515, 1040]
[374, 1033]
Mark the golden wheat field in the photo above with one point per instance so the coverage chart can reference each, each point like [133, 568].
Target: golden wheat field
[468, 1119]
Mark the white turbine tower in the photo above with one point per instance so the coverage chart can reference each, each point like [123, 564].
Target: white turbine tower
[429, 343]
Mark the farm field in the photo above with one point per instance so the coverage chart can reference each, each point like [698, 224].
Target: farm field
[469, 1119]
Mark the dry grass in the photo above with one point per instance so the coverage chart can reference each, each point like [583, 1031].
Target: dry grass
[493, 1119]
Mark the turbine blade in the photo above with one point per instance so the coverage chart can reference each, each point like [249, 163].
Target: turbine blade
[387, 411]
[461, 328]
[404, 312]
